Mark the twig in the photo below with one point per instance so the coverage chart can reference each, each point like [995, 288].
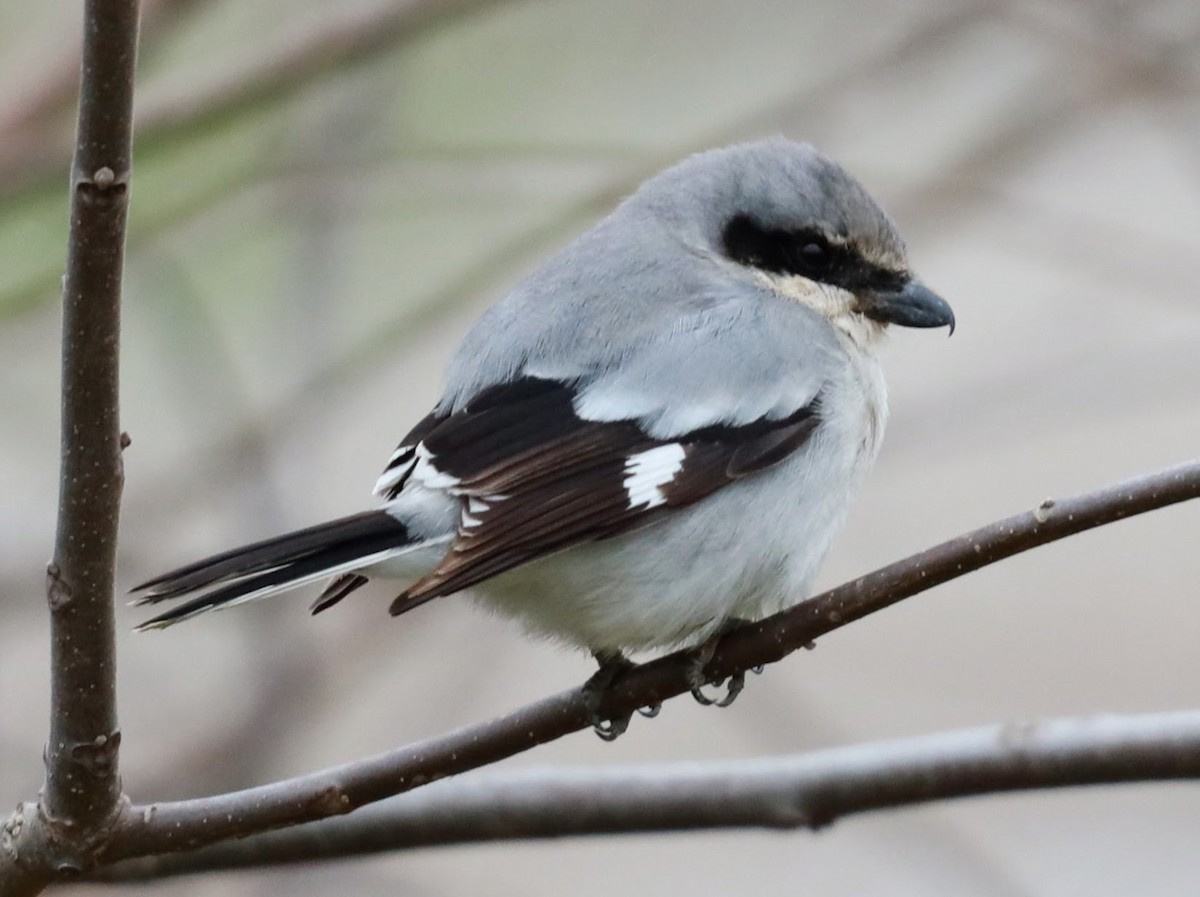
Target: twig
[82, 790]
[806, 791]
[184, 825]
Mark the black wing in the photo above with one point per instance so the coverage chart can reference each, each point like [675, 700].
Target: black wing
[535, 478]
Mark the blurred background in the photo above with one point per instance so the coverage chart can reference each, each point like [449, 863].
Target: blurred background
[326, 194]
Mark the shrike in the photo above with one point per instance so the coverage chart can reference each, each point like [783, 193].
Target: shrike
[658, 432]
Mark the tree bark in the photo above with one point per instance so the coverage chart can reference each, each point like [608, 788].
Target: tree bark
[57, 837]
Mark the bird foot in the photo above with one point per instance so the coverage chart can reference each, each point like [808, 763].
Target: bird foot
[733, 687]
[696, 679]
[612, 667]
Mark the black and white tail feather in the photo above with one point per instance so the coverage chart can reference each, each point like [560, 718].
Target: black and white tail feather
[277, 565]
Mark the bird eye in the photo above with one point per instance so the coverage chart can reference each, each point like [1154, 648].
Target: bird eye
[815, 255]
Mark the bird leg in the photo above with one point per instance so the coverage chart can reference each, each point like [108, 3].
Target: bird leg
[701, 657]
[613, 664]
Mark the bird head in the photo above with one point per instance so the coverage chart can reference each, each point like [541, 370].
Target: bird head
[798, 224]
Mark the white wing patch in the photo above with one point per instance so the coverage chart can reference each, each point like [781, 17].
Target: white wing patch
[390, 478]
[647, 472]
[400, 454]
[427, 474]
[424, 471]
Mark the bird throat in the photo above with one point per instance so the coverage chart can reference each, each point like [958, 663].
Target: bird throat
[834, 304]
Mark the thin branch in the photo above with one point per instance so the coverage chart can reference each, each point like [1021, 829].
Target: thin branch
[82, 790]
[183, 825]
[805, 791]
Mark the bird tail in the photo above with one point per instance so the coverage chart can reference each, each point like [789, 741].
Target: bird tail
[275, 565]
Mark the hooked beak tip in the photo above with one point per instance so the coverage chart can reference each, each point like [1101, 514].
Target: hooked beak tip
[913, 305]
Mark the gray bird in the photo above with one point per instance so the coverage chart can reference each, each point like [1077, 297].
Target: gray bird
[658, 432]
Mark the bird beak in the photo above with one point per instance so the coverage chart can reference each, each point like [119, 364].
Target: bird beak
[914, 305]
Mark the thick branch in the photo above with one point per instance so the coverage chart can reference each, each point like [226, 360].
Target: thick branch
[81, 780]
[82, 789]
[183, 825]
[806, 791]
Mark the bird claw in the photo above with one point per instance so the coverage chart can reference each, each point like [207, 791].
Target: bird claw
[611, 729]
[700, 659]
[612, 666]
[651, 710]
[733, 687]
